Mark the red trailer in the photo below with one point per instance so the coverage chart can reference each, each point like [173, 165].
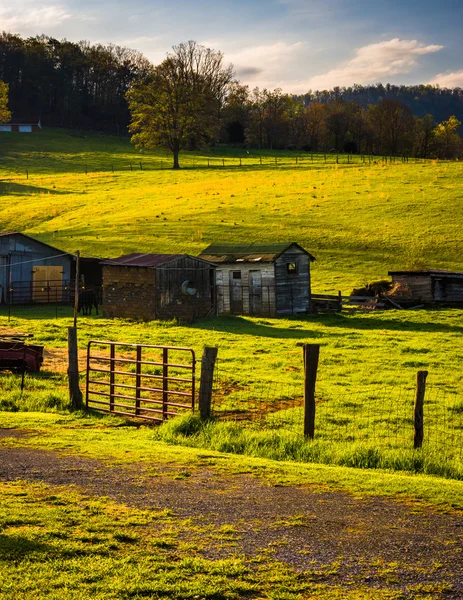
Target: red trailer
[18, 356]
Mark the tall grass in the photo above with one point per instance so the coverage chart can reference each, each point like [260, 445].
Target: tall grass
[236, 438]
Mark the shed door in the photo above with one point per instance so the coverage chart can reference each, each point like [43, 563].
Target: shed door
[47, 284]
[236, 293]
[255, 292]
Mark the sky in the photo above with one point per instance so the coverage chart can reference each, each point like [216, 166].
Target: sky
[296, 45]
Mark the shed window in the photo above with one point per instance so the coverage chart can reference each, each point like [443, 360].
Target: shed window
[291, 268]
[236, 274]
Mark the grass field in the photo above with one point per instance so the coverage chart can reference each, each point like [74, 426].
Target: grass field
[359, 219]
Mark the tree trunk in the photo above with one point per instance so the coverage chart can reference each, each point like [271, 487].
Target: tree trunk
[176, 163]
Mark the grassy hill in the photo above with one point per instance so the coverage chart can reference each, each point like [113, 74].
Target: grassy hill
[359, 220]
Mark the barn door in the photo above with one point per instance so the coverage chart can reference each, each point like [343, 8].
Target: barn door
[236, 293]
[255, 292]
[47, 284]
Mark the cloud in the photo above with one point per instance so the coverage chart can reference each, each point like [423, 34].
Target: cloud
[266, 65]
[248, 71]
[449, 79]
[30, 16]
[374, 63]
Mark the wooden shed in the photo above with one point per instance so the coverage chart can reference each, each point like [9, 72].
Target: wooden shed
[261, 279]
[158, 286]
[32, 271]
[429, 287]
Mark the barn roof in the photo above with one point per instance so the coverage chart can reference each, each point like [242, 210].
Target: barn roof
[232, 253]
[429, 273]
[136, 259]
[7, 233]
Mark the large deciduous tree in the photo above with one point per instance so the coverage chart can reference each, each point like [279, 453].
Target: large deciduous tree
[178, 105]
[5, 114]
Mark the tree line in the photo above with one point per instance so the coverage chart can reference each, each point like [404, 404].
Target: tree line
[275, 120]
[67, 84]
[192, 99]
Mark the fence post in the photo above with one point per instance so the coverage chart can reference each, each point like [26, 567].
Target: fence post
[419, 402]
[206, 381]
[75, 395]
[311, 355]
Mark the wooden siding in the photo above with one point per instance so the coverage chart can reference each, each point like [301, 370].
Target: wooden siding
[292, 289]
[446, 289]
[419, 285]
[248, 289]
[145, 293]
[172, 303]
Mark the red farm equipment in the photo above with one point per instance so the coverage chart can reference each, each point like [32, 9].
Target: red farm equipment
[18, 356]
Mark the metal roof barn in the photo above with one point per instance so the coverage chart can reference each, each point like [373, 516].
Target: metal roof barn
[261, 279]
[32, 271]
[158, 286]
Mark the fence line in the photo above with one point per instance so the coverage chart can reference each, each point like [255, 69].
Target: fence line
[249, 161]
[379, 417]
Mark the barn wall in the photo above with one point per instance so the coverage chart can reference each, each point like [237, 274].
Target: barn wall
[419, 285]
[145, 293]
[447, 289]
[16, 270]
[129, 293]
[172, 302]
[225, 282]
[292, 289]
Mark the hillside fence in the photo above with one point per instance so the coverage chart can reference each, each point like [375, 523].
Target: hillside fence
[250, 161]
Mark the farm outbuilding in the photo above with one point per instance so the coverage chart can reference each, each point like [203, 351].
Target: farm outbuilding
[32, 271]
[21, 126]
[158, 286]
[261, 279]
[428, 287]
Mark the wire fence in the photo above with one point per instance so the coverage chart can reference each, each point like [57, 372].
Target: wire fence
[249, 160]
[381, 418]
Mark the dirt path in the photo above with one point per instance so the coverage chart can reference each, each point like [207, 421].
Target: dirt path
[373, 540]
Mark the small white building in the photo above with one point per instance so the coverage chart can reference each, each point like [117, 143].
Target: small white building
[20, 126]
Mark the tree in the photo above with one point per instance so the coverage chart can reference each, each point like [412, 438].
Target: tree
[448, 142]
[179, 103]
[424, 136]
[392, 123]
[5, 114]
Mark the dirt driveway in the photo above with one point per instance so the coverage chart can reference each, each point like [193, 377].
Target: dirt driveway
[375, 540]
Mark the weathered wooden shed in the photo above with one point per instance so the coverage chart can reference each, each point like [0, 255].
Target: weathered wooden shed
[429, 287]
[158, 286]
[32, 271]
[261, 279]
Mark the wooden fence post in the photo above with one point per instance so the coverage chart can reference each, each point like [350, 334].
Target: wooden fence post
[419, 403]
[311, 355]
[206, 382]
[75, 395]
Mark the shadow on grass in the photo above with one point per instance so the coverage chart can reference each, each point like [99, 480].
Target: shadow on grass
[18, 189]
[14, 547]
[242, 326]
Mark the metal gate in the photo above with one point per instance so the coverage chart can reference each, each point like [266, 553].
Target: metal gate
[140, 380]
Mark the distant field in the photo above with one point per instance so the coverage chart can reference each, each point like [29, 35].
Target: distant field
[359, 220]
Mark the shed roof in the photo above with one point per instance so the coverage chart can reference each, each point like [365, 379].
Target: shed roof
[136, 259]
[8, 233]
[232, 253]
[429, 273]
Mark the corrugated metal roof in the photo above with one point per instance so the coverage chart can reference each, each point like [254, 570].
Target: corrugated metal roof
[137, 259]
[429, 272]
[232, 253]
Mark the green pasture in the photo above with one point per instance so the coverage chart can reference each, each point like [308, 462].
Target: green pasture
[359, 220]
